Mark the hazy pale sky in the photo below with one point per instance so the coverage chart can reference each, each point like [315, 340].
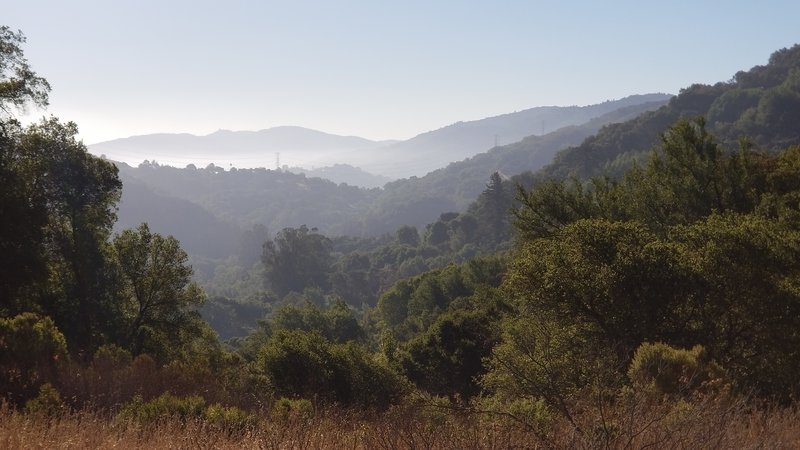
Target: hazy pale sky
[377, 69]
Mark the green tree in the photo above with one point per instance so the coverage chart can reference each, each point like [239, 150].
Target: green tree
[408, 235]
[496, 205]
[296, 259]
[447, 358]
[305, 364]
[437, 233]
[746, 309]
[618, 276]
[160, 298]
[19, 84]
[54, 255]
[21, 259]
[336, 323]
[78, 192]
[353, 279]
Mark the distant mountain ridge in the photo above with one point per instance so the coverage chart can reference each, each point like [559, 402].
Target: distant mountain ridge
[436, 149]
[303, 147]
[453, 188]
[248, 149]
[236, 199]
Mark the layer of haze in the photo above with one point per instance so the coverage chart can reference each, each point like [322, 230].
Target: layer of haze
[381, 70]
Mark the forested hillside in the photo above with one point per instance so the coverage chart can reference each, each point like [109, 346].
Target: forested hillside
[457, 185]
[761, 104]
[656, 308]
[241, 198]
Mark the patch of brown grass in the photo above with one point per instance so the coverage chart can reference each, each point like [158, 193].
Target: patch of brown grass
[699, 425]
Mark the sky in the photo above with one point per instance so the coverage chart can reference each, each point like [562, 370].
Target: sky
[376, 69]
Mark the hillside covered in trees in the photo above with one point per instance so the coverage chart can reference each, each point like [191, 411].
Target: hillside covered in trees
[649, 302]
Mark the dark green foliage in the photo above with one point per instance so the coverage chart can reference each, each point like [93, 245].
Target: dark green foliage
[615, 275]
[296, 259]
[305, 364]
[31, 351]
[354, 280]
[551, 358]
[158, 292]
[747, 308]
[438, 327]
[698, 247]
[437, 233]
[78, 192]
[447, 358]
[686, 178]
[336, 323]
[22, 262]
[408, 235]
[55, 256]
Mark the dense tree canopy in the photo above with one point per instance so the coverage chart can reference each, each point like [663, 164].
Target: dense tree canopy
[158, 291]
[296, 259]
[697, 247]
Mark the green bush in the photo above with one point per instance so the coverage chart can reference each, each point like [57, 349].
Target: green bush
[47, 403]
[31, 351]
[164, 406]
[109, 358]
[292, 409]
[306, 365]
[229, 418]
[674, 371]
[168, 406]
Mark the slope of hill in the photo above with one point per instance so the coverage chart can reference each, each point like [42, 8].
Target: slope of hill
[200, 232]
[344, 173]
[461, 182]
[762, 104]
[435, 149]
[222, 202]
[302, 147]
[244, 197]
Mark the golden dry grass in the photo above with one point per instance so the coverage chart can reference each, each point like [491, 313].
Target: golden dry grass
[698, 426]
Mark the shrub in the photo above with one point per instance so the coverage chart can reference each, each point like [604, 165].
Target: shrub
[184, 409]
[31, 350]
[674, 371]
[164, 406]
[292, 409]
[229, 418]
[47, 403]
[306, 365]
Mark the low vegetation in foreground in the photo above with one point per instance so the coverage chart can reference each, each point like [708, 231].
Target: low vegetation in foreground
[429, 424]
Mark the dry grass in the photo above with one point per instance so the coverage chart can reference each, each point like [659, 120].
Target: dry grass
[708, 425]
